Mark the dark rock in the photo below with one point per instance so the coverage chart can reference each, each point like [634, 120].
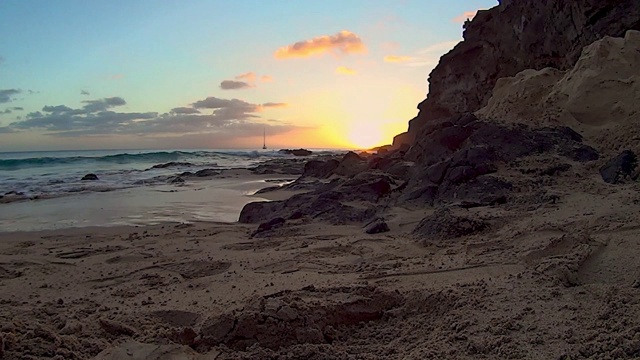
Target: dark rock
[296, 152]
[269, 225]
[171, 164]
[502, 44]
[422, 195]
[320, 169]
[90, 177]
[376, 226]
[582, 153]
[207, 172]
[555, 169]
[443, 225]
[435, 173]
[258, 211]
[186, 174]
[16, 193]
[619, 168]
[351, 164]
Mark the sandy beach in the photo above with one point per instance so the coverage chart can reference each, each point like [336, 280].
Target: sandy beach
[318, 291]
[503, 224]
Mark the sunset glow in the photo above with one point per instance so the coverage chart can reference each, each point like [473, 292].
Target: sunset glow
[317, 75]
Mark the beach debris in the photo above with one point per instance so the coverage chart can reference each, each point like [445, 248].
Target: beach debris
[90, 177]
[619, 167]
[376, 226]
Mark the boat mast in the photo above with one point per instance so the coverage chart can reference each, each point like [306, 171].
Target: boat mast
[264, 139]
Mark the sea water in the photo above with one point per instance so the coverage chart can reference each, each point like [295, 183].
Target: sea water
[133, 188]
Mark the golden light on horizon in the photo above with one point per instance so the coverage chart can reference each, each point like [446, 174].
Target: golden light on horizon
[365, 136]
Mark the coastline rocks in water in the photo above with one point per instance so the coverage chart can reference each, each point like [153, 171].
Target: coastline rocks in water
[89, 177]
[505, 40]
[376, 226]
[280, 166]
[207, 172]
[620, 167]
[443, 225]
[171, 164]
[176, 180]
[296, 152]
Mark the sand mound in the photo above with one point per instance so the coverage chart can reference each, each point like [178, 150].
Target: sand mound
[597, 97]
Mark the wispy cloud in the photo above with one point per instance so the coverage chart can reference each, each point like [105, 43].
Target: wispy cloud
[6, 95]
[344, 42]
[85, 92]
[466, 15]
[249, 77]
[116, 77]
[343, 70]
[234, 85]
[397, 58]
[266, 78]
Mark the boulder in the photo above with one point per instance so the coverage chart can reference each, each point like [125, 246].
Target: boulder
[376, 226]
[89, 177]
[619, 167]
[319, 168]
[351, 164]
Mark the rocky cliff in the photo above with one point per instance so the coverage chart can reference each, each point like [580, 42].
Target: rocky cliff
[511, 37]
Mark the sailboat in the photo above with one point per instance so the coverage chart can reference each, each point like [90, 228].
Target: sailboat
[264, 139]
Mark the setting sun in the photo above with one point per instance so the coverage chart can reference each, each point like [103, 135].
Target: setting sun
[365, 136]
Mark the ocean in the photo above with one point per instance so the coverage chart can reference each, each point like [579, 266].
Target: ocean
[133, 187]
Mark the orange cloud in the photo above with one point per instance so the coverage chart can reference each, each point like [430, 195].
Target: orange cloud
[466, 15]
[343, 70]
[397, 59]
[250, 76]
[266, 78]
[344, 42]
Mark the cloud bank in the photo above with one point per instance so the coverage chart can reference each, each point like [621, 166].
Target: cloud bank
[344, 42]
[397, 59]
[231, 117]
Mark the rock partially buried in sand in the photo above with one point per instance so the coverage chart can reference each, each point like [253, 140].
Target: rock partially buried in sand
[376, 226]
[269, 225]
[619, 168]
[90, 177]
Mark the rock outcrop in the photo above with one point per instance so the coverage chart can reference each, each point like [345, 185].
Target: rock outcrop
[506, 40]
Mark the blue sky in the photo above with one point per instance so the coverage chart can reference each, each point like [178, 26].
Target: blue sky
[107, 74]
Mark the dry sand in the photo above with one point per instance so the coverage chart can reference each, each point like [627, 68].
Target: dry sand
[551, 281]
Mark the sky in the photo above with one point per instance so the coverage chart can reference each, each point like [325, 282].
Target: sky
[160, 74]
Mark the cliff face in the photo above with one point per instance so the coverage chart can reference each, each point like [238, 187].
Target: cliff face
[511, 37]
